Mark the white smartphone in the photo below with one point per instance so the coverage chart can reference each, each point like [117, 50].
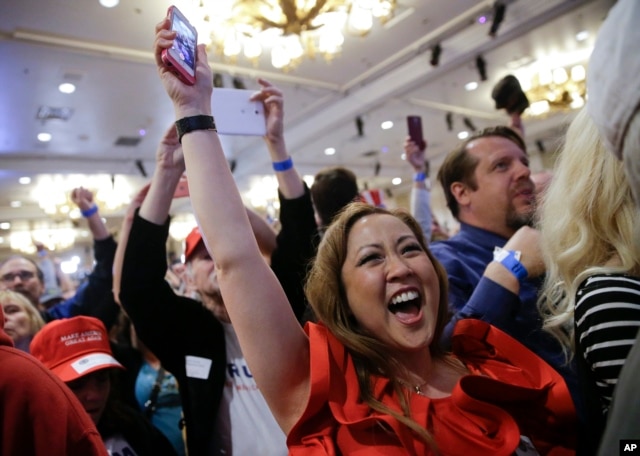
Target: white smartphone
[235, 114]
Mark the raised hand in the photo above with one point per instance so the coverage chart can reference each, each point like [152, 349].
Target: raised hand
[415, 155]
[169, 153]
[82, 198]
[188, 100]
[273, 101]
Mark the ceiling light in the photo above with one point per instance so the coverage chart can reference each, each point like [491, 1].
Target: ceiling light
[66, 87]
[386, 125]
[52, 192]
[291, 30]
[5, 225]
[68, 267]
[556, 89]
[24, 180]
[539, 107]
[463, 135]
[308, 179]
[582, 35]
[396, 181]
[560, 76]
[15, 204]
[469, 86]
[44, 137]
[330, 151]
[109, 3]
[578, 73]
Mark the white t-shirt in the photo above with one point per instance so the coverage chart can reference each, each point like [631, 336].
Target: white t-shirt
[245, 425]
[118, 446]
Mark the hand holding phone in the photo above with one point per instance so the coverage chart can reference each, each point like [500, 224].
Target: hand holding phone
[181, 57]
[414, 124]
[237, 114]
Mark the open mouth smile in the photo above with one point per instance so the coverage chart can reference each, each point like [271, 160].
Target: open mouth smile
[406, 306]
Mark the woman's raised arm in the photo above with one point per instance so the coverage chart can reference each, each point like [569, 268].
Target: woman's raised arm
[273, 343]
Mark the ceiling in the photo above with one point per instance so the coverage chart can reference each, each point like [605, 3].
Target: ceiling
[384, 76]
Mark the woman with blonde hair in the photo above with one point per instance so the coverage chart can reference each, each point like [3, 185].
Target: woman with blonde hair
[370, 378]
[590, 230]
[22, 319]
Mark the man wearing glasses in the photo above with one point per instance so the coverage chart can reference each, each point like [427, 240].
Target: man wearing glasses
[94, 297]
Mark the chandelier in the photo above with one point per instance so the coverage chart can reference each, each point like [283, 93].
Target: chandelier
[53, 193]
[289, 29]
[558, 89]
[55, 236]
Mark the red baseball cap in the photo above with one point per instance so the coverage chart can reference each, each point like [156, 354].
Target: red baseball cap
[191, 242]
[74, 347]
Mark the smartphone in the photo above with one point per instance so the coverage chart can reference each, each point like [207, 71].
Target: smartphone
[182, 189]
[236, 114]
[414, 124]
[181, 57]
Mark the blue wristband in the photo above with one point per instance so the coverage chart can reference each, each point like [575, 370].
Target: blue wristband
[89, 212]
[419, 177]
[508, 259]
[283, 165]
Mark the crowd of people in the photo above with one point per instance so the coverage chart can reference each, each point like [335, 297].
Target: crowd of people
[351, 328]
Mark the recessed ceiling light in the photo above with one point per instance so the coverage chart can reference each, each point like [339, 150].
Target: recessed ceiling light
[15, 204]
[582, 35]
[463, 135]
[469, 86]
[24, 180]
[66, 87]
[109, 3]
[387, 124]
[5, 225]
[330, 151]
[396, 181]
[44, 137]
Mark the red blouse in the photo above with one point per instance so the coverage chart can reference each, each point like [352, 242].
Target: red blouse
[510, 392]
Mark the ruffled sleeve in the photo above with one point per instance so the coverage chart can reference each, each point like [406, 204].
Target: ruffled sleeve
[511, 392]
[514, 378]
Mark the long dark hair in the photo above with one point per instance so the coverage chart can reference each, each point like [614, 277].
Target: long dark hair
[326, 294]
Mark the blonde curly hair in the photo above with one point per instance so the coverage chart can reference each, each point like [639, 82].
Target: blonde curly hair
[588, 222]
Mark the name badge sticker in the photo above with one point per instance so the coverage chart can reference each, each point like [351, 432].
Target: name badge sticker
[198, 367]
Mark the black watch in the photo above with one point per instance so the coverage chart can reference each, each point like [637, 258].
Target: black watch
[189, 124]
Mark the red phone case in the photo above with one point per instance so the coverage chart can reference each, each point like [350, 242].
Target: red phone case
[414, 124]
[182, 189]
[181, 57]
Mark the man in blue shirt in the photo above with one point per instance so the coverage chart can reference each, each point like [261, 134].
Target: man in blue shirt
[494, 262]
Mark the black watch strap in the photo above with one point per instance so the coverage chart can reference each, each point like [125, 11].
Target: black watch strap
[188, 124]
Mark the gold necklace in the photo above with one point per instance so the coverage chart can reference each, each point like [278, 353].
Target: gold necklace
[417, 389]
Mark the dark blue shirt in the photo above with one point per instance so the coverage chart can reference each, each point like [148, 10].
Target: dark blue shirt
[471, 295]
